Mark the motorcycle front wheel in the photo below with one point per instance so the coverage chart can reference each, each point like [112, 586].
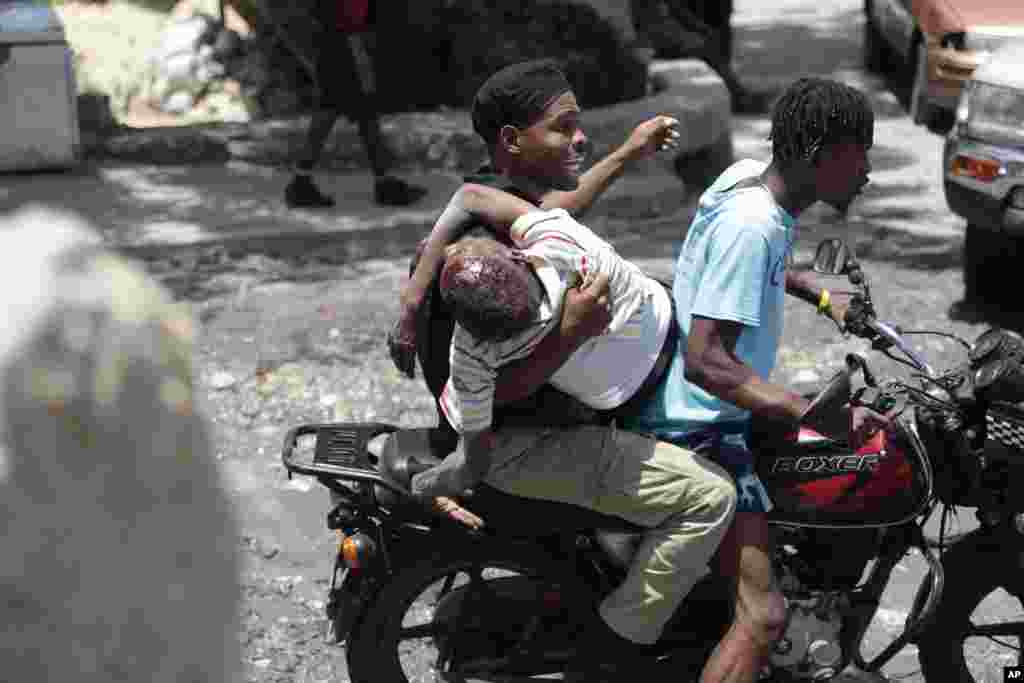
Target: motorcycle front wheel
[465, 615]
[979, 626]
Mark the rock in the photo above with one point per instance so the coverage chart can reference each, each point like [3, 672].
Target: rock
[687, 89]
[193, 54]
[184, 36]
[94, 112]
[177, 70]
[300, 484]
[167, 146]
[222, 380]
[223, 107]
[227, 45]
[806, 376]
[437, 52]
[602, 69]
[179, 102]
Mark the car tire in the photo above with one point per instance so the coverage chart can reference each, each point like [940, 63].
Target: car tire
[876, 52]
[985, 253]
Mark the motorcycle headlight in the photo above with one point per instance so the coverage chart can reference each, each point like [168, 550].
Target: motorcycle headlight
[993, 113]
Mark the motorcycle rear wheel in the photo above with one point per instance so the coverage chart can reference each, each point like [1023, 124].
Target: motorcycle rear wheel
[400, 639]
[959, 649]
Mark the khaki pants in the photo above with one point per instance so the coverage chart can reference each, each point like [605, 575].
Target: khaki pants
[685, 500]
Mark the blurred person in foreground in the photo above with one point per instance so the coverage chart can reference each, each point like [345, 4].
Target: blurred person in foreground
[119, 559]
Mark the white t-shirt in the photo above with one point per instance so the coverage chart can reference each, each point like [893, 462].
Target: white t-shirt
[607, 369]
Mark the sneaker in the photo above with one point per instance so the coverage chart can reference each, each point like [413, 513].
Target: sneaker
[302, 193]
[391, 191]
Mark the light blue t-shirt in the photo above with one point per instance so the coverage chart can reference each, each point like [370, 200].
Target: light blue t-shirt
[732, 266]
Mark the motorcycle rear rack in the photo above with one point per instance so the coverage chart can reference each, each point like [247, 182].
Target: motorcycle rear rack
[340, 452]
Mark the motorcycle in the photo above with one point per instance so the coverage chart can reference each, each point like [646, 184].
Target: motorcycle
[507, 601]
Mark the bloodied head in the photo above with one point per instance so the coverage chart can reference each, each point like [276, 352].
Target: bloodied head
[490, 289]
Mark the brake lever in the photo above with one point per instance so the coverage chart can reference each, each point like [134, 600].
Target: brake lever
[859, 315]
[874, 399]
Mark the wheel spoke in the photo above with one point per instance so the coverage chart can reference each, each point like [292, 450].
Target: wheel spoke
[455, 641]
[427, 630]
[1014, 629]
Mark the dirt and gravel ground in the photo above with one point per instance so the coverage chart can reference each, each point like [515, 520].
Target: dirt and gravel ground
[285, 344]
[290, 340]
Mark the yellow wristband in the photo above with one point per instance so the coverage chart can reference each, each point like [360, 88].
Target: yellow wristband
[825, 303]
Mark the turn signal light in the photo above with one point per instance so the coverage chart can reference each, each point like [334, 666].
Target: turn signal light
[357, 551]
[981, 169]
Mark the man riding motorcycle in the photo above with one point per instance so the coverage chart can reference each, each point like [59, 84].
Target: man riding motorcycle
[794, 284]
[729, 296]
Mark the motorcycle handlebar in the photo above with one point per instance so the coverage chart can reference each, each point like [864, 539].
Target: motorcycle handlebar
[860, 321]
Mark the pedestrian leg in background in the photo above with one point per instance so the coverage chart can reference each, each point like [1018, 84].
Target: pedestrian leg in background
[346, 87]
[388, 189]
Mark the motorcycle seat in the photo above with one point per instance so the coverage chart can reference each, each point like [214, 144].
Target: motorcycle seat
[408, 452]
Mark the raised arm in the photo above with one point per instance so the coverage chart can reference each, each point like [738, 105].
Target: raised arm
[654, 135]
[471, 204]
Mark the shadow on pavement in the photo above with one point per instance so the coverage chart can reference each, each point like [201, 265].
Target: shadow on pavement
[804, 44]
[1001, 314]
[148, 209]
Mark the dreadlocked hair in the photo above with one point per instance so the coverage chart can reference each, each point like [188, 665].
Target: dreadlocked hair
[814, 112]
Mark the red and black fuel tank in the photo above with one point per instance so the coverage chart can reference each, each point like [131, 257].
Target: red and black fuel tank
[814, 480]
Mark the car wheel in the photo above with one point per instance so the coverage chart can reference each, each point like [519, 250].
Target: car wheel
[921, 110]
[984, 254]
[876, 52]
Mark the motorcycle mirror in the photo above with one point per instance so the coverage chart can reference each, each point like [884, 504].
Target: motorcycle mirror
[832, 257]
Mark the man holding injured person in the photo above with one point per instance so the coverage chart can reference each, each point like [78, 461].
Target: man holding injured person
[471, 270]
[507, 301]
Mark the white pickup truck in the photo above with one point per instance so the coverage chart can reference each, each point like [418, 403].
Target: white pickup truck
[983, 170]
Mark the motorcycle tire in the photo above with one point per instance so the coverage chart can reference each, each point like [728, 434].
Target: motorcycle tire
[374, 652]
[974, 570]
